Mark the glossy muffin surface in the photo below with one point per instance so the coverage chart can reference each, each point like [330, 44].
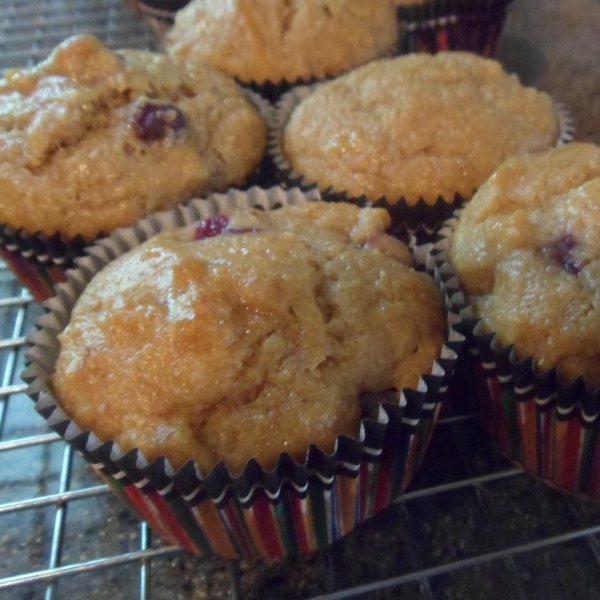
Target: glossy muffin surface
[248, 335]
[92, 139]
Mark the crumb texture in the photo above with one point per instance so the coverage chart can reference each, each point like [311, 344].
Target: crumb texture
[417, 126]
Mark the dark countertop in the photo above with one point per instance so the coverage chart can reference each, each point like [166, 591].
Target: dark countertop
[471, 526]
[555, 46]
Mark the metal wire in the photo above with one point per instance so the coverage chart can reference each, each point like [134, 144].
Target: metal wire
[145, 555]
[28, 30]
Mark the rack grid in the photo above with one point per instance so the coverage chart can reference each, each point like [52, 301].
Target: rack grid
[471, 526]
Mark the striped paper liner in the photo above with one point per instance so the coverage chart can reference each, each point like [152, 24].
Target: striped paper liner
[296, 507]
[428, 10]
[413, 215]
[545, 425]
[442, 25]
[40, 262]
[471, 33]
[548, 427]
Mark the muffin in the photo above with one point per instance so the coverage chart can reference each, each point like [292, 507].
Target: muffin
[304, 308]
[526, 250]
[260, 41]
[90, 139]
[414, 128]
[282, 426]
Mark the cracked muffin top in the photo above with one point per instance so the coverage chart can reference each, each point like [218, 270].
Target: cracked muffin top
[248, 335]
[527, 252]
[90, 138]
[417, 126]
[275, 40]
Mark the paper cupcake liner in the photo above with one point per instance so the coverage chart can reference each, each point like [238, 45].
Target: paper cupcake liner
[548, 427]
[158, 14]
[296, 507]
[274, 90]
[38, 261]
[442, 25]
[472, 33]
[264, 174]
[435, 9]
[413, 215]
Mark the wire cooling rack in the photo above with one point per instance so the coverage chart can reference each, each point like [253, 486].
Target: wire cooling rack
[471, 527]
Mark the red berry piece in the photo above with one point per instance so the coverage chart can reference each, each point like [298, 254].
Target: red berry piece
[154, 121]
[210, 227]
[561, 252]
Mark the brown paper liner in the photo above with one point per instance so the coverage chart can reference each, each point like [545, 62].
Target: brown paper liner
[547, 426]
[298, 506]
[413, 215]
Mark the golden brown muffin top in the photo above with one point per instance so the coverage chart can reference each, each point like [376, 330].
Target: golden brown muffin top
[275, 40]
[257, 340]
[527, 251]
[417, 126]
[90, 138]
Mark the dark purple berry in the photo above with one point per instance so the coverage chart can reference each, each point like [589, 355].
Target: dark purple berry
[560, 251]
[210, 227]
[154, 121]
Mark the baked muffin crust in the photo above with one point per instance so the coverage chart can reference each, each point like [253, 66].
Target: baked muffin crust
[250, 342]
[92, 139]
[527, 251]
[275, 40]
[417, 126]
